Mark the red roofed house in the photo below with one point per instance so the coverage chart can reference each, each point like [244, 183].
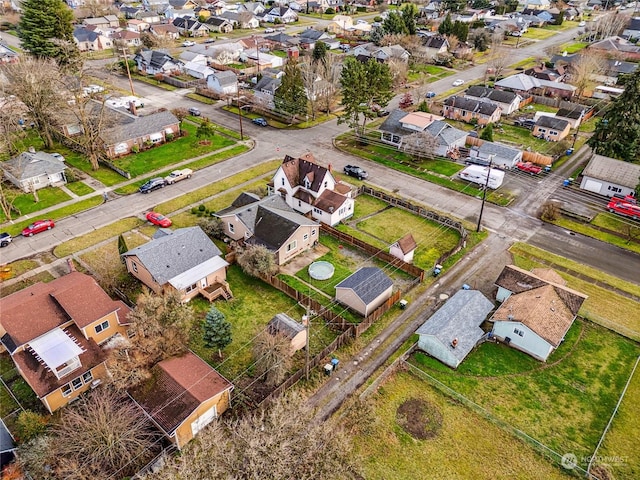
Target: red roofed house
[309, 187]
[404, 248]
[53, 332]
[183, 395]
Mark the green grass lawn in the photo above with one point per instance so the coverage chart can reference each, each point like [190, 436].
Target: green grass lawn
[466, 447]
[366, 205]
[539, 33]
[565, 403]
[25, 203]
[573, 47]
[97, 236]
[169, 153]
[585, 229]
[105, 175]
[40, 277]
[432, 238]
[79, 188]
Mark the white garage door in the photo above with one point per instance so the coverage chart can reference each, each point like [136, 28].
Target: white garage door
[203, 420]
[592, 186]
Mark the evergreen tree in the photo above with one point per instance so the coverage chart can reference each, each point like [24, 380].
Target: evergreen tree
[487, 133]
[409, 14]
[617, 134]
[216, 331]
[46, 31]
[446, 27]
[206, 129]
[394, 24]
[460, 30]
[122, 246]
[365, 86]
[423, 106]
[290, 96]
[319, 52]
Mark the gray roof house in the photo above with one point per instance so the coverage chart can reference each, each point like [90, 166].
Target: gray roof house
[184, 260]
[453, 331]
[155, 61]
[365, 290]
[33, 170]
[509, 102]
[270, 222]
[467, 109]
[521, 83]
[223, 82]
[500, 155]
[295, 332]
[608, 176]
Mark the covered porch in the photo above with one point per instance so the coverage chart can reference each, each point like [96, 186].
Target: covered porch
[216, 290]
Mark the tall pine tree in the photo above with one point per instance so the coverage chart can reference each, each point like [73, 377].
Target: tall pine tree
[216, 331]
[617, 134]
[290, 97]
[46, 30]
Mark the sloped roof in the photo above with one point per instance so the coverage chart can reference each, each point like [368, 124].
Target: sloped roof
[471, 105]
[435, 41]
[176, 388]
[460, 317]
[367, 283]
[283, 324]
[613, 171]
[155, 58]
[172, 255]
[574, 113]
[499, 150]
[329, 201]
[297, 170]
[549, 275]
[407, 243]
[226, 77]
[38, 309]
[552, 122]
[83, 34]
[525, 83]
[30, 165]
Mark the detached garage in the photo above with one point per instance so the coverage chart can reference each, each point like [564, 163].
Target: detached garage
[608, 176]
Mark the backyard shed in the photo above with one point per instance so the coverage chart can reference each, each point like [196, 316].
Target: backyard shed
[452, 332]
[283, 324]
[404, 248]
[365, 290]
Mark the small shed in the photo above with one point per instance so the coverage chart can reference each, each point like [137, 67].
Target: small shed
[404, 248]
[365, 290]
[283, 324]
[452, 332]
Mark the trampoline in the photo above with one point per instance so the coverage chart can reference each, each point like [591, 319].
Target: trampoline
[321, 270]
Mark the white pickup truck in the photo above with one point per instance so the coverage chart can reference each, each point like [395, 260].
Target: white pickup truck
[178, 175]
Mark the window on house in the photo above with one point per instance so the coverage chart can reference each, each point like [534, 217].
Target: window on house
[325, 184]
[190, 288]
[231, 227]
[542, 130]
[66, 390]
[519, 332]
[102, 326]
[305, 237]
[299, 203]
[76, 383]
[292, 245]
[283, 181]
[313, 232]
[553, 132]
[134, 267]
[87, 377]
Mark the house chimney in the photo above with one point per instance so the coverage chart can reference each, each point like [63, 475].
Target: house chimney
[72, 267]
[132, 108]
[330, 167]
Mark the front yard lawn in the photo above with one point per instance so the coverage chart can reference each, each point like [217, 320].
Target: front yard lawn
[185, 147]
[564, 403]
[25, 203]
[79, 188]
[366, 205]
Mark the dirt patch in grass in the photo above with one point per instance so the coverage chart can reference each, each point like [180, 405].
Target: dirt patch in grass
[40, 277]
[420, 418]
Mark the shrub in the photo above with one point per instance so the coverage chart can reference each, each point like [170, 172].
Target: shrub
[194, 210]
[201, 207]
[329, 11]
[550, 211]
[212, 226]
[135, 148]
[30, 425]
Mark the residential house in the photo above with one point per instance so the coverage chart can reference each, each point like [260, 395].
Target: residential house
[308, 187]
[340, 24]
[468, 109]
[632, 30]
[190, 28]
[309, 37]
[197, 70]
[265, 90]
[283, 14]
[278, 41]
[269, 222]
[365, 290]
[608, 176]
[102, 23]
[152, 62]
[242, 20]
[527, 85]
[552, 129]
[433, 46]
[182, 396]
[542, 72]
[124, 132]
[30, 171]
[537, 310]
[130, 11]
[219, 25]
[189, 56]
[295, 332]
[127, 37]
[136, 25]
[185, 261]
[7, 55]
[612, 68]
[498, 154]
[537, 4]
[89, 40]
[404, 248]
[454, 330]
[508, 102]
[53, 332]
[617, 47]
[256, 8]
[400, 124]
[263, 60]
[223, 82]
[574, 115]
[8, 446]
[384, 54]
[151, 17]
[165, 30]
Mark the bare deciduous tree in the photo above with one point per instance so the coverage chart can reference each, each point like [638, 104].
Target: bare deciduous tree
[498, 58]
[420, 145]
[585, 70]
[399, 70]
[272, 359]
[256, 260]
[37, 83]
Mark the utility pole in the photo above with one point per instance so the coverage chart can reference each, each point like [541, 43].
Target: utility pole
[239, 108]
[126, 63]
[484, 194]
[307, 326]
[257, 54]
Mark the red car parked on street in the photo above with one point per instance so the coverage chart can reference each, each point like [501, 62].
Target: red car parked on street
[529, 167]
[37, 227]
[158, 219]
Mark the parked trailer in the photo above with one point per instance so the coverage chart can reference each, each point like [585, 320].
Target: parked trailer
[478, 174]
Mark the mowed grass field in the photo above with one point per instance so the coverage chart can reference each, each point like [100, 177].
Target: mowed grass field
[564, 403]
[467, 447]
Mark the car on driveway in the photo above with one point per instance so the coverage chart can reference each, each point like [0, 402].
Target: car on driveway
[458, 82]
[195, 112]
[152, 185]
[178, 175]
[188, 43]
[37, 227]
[259, 121]
[528, 167]
[356, 171]
[5, 239]
[158, 219]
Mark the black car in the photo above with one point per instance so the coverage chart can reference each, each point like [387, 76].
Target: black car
[5, 239]
[194, 111]
[152, 185]
[355, 171]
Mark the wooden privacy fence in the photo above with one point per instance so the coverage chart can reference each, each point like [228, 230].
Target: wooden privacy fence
[537, 158]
